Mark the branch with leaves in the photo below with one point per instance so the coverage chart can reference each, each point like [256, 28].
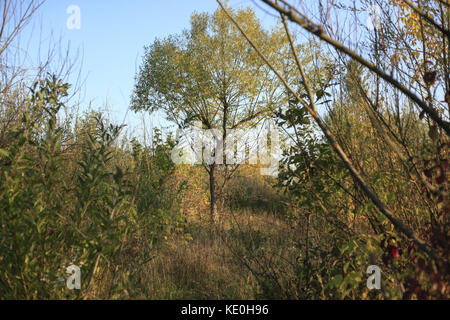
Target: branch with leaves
[332, 141]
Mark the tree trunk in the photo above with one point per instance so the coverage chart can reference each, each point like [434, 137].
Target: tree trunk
[212, 191]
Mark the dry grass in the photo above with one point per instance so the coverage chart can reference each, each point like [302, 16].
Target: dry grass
[210, 266]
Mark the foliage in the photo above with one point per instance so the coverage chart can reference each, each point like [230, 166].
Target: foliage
[59, 210]
[84, 194]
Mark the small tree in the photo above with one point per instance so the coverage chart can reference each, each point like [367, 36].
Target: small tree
[210, 74]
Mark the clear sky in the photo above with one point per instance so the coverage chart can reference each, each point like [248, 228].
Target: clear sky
[111, 38]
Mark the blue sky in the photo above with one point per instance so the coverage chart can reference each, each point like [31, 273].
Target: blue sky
[111, 40]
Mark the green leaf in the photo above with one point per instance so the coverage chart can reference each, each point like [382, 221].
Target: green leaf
[4, 153]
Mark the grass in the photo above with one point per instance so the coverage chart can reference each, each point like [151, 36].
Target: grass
[209, 266]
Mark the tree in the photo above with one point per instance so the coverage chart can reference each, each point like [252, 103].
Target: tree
[210, 74]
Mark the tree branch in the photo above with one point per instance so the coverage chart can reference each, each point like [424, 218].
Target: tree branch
[329, 136]
[308, 25]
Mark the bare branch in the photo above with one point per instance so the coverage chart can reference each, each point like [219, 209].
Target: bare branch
[308, 25]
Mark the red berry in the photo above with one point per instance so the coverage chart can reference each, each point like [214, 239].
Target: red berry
[393, 251]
